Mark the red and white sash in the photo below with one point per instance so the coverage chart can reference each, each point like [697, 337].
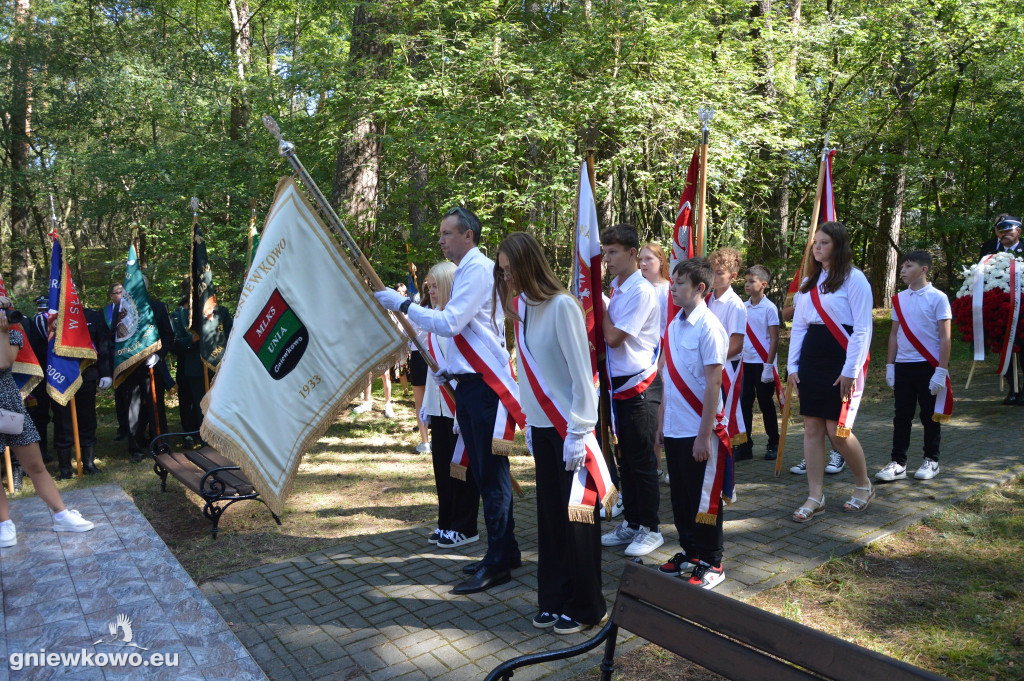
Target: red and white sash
[1011, 328]
[762, 352]
[977, 315]
[460, 460]
[718, 475]
[852, 403]
[497, 374]
[591, 484]
[732, 385]
[944, 401]
[636, 385]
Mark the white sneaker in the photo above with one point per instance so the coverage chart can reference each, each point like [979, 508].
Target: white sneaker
[389, 411]
[423, 448]
[800, 468]
[835, 462]
[72, 521]
[617, 509]
[620, 536]
[8, 537]
[451, 539]
[664, 479]
[644, 542]
[892, 471]
[928, 470]
[363, 407]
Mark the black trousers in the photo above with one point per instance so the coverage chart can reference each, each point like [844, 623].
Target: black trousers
[191, 390]
[139, 389]
[911, 391]
[121, 400]
[458, 501]
[476, 407]
[636, 420]
[568, 553]
[85, 411]
[765, 394]
[685, 483]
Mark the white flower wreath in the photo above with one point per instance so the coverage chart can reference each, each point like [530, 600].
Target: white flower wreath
[997, 274]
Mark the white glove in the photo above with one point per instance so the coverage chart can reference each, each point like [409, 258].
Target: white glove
[574, 451]
[105, 383]
[436, 378]
[529, 439]
[890, 375]
[938, 382]
[768, 373]
[424, 416]
[389, 298]
[455, 427]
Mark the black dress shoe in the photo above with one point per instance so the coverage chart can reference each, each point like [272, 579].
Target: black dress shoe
[1012, 398]
[743, 452]
[482, 580]
[473, 567]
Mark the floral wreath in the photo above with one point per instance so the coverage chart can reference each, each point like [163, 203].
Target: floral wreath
[999, 300]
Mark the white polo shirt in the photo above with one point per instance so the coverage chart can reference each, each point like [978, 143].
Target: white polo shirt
[759, 318]
[922, 310]
[698, 340]
[731, 312]
[633, 308]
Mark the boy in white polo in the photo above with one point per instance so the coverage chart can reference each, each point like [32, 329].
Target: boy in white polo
[760, 347]
[918, 367]
[730, 310]
[696, 445]
[632, 333]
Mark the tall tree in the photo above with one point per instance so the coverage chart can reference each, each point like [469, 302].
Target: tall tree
[20, 133]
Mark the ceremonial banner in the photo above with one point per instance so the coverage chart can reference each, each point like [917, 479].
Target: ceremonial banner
[135, 333]
[826, 213]
[682, 233]
[70, 348]
[204, 319]
[26, 370]
[587, 285]
[307, 333]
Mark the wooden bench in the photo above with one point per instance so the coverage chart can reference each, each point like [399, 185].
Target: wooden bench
[204, 471]
[725, 636]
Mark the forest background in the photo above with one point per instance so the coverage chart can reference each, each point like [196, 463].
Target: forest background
[403, 108]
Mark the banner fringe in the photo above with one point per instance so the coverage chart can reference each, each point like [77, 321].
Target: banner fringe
[122, 370]
[707, 518]
[941, 418]
[457, 471]
[738, 439]
[581, 513]
[503, 447]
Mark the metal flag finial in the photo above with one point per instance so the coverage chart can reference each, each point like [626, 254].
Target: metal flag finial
[272, 127]
[195, 205]
[705, 114]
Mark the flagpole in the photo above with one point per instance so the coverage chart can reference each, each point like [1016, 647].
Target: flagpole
[252, 233]
[787, 407]
[10, 471]
[287, 149]
[705, 115]
[74, 432]
[604, 403]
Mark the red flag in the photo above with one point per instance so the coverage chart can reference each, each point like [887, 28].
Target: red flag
[826, 213]
[587, 284]
[682, 233]
[27, 370]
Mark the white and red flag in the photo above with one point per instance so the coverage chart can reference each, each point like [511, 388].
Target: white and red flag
[826, 213]
[27, 371]
[682, 232]
[587, 286]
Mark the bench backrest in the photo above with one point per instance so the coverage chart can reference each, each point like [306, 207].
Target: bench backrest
[739, 641]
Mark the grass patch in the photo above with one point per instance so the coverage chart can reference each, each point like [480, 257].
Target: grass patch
[946, 594]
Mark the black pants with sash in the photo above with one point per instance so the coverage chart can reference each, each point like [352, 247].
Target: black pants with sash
[686, 482]
[568, 553]
[910, 391]
[636, 420]
[476, 407]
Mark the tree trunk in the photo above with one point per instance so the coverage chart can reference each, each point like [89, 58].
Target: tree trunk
[241, 49]
[21, 129]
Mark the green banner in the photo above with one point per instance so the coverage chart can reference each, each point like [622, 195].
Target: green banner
[135, 333]
[207, 319]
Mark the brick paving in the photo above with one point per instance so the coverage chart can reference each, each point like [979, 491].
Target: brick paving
[379, 608]
[62, 592]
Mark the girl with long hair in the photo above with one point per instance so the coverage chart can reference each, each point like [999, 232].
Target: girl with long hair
[835, 294]
[558, 397]
[654, 268]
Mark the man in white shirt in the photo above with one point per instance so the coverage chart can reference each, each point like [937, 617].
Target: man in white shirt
[476, 404]
[632, 332]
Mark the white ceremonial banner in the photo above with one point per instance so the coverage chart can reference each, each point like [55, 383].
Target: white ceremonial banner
[306, 334]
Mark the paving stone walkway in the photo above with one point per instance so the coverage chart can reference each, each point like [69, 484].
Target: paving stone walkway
[64, 593]
[379, 607]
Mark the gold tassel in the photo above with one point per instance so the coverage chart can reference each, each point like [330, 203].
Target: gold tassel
[940, 418]
[457, 471]
[738, 439]
[843, 431]
[581, 513]
[610, 497]
[707, 518]
[501, 447]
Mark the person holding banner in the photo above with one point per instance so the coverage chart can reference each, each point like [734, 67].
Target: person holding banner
[760, 346]
[557, 390]
[25, 446]
[112, 315]
[918, 367]
[828, 356]
[487, 397]
[458, 499]
[633, 337]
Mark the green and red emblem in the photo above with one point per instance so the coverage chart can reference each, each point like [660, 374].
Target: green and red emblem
[278, 337]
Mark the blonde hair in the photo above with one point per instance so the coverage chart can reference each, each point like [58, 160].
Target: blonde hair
[444, 276]
[728, 258]
[659, 253]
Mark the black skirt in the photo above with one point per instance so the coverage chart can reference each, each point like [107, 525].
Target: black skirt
[821, 363]
[417, 368]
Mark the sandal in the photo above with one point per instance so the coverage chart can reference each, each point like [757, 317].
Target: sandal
[858, 505]
[805, 512]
